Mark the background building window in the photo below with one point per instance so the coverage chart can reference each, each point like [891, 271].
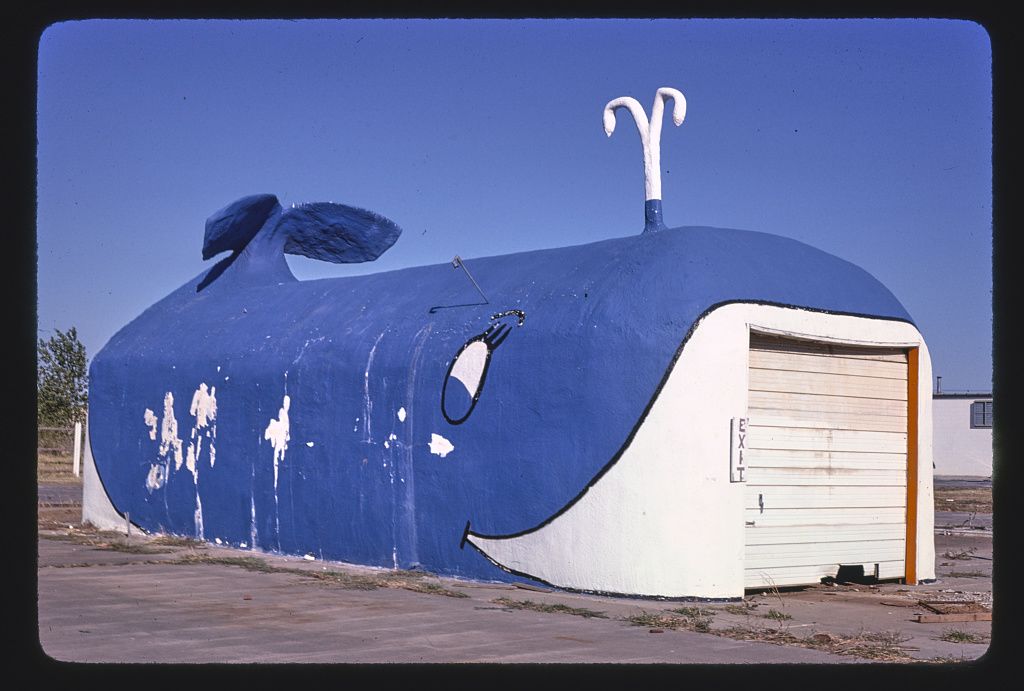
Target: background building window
[981, 414]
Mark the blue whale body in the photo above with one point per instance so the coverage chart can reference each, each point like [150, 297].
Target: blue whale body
[414, 408]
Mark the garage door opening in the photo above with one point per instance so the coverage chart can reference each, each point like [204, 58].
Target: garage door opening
[827, 461]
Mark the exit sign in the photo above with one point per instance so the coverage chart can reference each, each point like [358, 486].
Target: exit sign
[737, 454]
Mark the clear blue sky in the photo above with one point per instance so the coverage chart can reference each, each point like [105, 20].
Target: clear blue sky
[870, 139]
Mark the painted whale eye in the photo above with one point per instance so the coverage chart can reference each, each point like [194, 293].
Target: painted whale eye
[466, 375]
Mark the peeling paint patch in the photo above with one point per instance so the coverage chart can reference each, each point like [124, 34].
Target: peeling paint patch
[277, 434]
[169, 432]
[387, 444]
[401, 414]
[440, 446]
[156, 477]
[309, 444]
[150, 420]
[204, 410]
[204, 406]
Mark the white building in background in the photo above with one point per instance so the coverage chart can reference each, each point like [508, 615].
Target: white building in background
[962, 429]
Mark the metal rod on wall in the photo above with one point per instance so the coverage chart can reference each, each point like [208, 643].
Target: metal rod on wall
[457, 263]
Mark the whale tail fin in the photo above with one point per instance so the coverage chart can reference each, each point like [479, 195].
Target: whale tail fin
[326, 231]
[337, 233]
[236, 224]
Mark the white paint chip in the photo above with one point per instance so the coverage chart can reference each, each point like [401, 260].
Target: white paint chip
[204, 410]
[150, 418]
[308, 557]
[401, 414]
[204, 406]
[156, 477]
[169, 432]
[217, 540]
[277, 434]
[309, 444]
[440, 446]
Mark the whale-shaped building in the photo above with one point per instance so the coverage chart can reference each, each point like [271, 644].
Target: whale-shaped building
[686, 412]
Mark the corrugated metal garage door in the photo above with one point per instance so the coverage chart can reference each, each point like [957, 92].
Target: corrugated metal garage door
[826, 461]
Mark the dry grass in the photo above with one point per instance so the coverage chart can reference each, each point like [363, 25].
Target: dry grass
[745, 608]
[248, 563]
[58, 517]
[878, 646]
[972, 499]
[107, 540]
[405, 580]
[509, 603]
[686, 618]
[56, 467]
[958, 636]
[177, 541]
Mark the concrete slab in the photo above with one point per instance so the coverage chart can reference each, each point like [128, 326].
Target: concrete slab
[132, 610]
[105, 597]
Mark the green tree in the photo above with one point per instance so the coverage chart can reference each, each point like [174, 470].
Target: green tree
[62, 380]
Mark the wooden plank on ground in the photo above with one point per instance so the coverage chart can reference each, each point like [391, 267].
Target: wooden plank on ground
[949, 618]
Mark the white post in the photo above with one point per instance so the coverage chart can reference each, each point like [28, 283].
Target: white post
[78, 446]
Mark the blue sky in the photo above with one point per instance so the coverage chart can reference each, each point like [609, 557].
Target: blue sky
[870, 139]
